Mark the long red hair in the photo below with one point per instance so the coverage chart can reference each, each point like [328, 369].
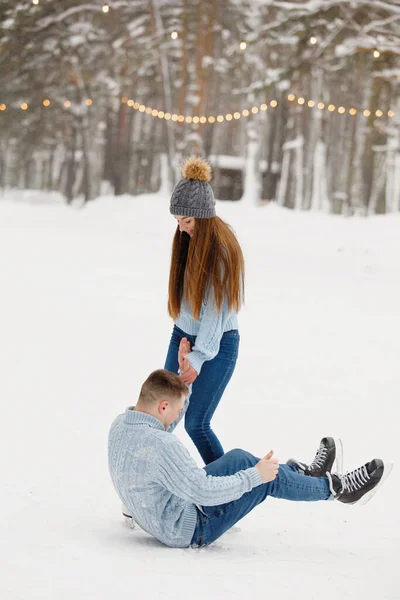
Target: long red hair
[212, 257]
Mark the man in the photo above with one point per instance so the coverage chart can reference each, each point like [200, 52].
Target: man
[182, 505]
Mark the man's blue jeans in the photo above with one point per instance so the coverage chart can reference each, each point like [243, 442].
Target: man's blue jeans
[207, 390]
[213, 521]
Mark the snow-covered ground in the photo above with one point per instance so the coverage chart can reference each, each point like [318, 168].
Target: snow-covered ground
[83, 322]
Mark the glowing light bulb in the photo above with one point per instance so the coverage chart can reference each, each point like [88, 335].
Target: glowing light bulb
[105, 8]
[313, 40]
[35, 2]
[24, 106]
[46, 102]
[174, 35]
[243, 45]
[88, 102]
[376, 54]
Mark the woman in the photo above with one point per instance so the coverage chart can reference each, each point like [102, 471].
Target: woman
[206, 289]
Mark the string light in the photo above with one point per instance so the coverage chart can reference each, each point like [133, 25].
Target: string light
[243, 45]
[313, 40]
[227, 117]
[376, 54]
[105, 8]
[35, 2]
[174, 35]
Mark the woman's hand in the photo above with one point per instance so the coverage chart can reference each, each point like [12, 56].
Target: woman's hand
[189, 375]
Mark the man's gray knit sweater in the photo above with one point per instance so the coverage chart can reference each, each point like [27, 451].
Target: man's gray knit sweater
[160, 483]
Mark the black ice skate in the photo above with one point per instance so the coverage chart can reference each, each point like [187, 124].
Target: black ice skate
[329, 450]
[360, 485]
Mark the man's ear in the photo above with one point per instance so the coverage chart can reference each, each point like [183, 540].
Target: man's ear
[162, 406]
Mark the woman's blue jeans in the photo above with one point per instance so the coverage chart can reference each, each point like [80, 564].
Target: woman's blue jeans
[207, 390]
[213, 521]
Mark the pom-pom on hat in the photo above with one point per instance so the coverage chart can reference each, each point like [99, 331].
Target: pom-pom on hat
[193, 195]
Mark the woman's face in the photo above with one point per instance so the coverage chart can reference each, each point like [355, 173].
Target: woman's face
[186, 224]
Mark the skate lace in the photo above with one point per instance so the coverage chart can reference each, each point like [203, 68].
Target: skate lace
[320, 458]
[354, 480]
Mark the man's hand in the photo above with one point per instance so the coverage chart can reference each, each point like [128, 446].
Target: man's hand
[268, 467]
[184, 348]
[188, 374]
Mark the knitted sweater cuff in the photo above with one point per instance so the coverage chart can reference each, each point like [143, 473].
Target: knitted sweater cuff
[255, 476]
[196, 361]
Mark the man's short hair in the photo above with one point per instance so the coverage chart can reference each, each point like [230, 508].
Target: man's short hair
[162, 385]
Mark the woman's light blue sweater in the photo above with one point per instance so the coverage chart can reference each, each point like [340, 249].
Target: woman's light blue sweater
[158, 481]
[209, 329]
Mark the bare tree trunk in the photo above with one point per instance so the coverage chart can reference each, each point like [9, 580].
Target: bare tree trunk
[168, 103]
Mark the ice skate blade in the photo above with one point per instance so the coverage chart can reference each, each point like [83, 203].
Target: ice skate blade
[129, 521]
[339, 456]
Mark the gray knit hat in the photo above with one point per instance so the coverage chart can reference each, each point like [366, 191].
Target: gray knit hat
[193, 195]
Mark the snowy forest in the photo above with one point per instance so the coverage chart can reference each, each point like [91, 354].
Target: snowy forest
[291, 101]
